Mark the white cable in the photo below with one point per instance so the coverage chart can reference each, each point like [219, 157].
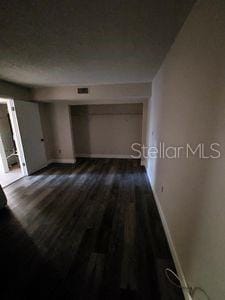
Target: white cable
[167, 270]
[190, 289]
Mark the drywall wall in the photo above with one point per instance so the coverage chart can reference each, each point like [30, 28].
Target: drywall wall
[14, 91]
[47, 123]
[106, 130]
[188, 106]
[56, 125]
[108, 93]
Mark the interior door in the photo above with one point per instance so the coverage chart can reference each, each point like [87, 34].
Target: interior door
[29, 124]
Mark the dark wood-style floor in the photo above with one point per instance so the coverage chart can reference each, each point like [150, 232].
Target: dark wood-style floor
[90, 231]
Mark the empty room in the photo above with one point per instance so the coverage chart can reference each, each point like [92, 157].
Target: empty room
[112, 163]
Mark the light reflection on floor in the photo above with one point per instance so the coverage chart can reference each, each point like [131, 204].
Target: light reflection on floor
[11, 176]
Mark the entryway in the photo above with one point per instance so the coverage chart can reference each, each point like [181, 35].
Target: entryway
[22, 150]
[10, 169]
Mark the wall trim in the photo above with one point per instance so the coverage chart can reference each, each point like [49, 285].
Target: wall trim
[62, 160]
[175, 256]
[104, 156]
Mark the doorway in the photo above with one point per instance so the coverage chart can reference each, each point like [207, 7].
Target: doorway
[10, 169]
[106, 130]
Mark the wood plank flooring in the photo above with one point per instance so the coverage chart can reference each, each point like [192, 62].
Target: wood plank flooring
[89, 231]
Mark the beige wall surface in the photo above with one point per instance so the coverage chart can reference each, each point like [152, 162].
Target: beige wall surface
[47, 124]
[56, 124]
[106, 93]
[188, 106]
[106, 130]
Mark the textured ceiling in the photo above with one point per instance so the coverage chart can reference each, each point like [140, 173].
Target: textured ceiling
[49, 43]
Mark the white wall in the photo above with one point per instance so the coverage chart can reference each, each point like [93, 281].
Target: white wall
[107, 93]
[46, 122]
[188, 106]
[56, 125]
[67, 95]
[106, 130]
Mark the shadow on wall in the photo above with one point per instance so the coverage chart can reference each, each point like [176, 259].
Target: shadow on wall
[168, 177]
[187, 106]
[81, 129]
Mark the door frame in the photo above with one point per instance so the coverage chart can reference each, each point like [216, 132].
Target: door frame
[16, 133]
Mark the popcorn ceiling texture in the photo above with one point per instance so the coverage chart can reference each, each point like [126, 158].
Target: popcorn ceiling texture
[47, 43]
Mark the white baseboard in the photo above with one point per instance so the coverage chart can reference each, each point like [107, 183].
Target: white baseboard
[104, 156]
[176, 260]
[62, 160]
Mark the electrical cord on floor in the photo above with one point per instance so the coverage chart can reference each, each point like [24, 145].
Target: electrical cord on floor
[192, 290]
